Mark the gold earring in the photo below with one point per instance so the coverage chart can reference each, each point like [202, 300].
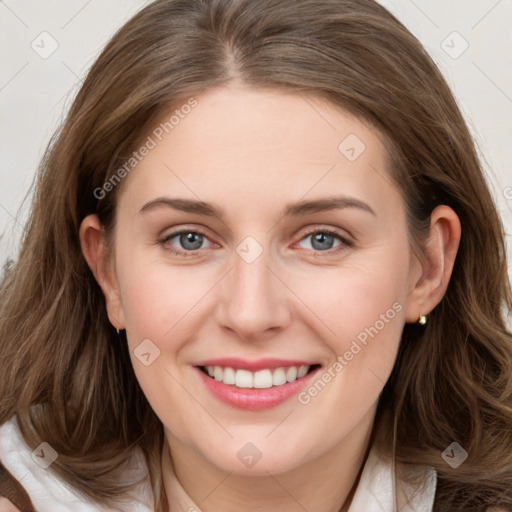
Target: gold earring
[422, 320]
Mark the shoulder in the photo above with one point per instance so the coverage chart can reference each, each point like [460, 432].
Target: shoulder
[28, 479]
[7, 506]
[11, 490]
[46, 490]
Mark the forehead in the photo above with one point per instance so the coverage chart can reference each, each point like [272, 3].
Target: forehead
[245, 144]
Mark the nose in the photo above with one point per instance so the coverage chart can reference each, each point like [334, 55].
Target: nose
[254, 302]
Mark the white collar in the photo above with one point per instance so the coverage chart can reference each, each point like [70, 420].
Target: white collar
[374, 492]
[49, 493]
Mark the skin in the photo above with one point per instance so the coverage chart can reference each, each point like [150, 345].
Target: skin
[251, 153]
[7, 506]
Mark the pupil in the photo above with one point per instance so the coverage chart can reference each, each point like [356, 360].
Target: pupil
[322, 238]
[187, 238]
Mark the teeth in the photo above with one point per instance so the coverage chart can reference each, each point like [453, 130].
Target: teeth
[279, 377]
[229, 376]
[302, 371]
[291, 374]
[243, 379]
[217, 373]
[261, 379]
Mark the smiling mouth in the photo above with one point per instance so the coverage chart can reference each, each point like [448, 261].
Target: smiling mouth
[261, 379]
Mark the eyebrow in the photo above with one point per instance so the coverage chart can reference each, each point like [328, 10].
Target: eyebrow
[291, 210]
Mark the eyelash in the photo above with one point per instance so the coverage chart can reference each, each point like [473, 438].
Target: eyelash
[187, 254]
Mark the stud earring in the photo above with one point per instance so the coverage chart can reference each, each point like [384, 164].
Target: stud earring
[422, 320]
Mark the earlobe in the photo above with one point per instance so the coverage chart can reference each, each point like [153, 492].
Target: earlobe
[439, 253]
[92, 241]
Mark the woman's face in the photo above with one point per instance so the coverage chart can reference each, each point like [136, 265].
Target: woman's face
[293, 256]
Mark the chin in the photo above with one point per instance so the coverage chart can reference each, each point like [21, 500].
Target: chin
[256, 459]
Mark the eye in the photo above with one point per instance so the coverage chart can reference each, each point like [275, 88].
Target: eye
[189, 240]
[323, 240]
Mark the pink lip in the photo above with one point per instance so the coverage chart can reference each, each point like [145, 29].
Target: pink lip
[254, 399]
[253, 366]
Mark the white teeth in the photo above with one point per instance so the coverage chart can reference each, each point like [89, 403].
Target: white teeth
[302, 371]
[291, 374]
[279, 377]
[229, 376]
[217, 373]
[261, 379]
[243, 379]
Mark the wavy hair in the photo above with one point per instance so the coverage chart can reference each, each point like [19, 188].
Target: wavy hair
[452, 380]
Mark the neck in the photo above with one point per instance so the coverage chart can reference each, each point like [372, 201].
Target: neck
[325, 484]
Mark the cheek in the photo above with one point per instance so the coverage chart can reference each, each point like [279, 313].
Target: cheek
[359, 296]
[159, 303]
[360, 309]
[158, 298]
[372, 309]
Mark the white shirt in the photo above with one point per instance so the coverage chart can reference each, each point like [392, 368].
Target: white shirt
[50, 493]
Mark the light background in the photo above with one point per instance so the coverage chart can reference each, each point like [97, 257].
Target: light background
[35, 92]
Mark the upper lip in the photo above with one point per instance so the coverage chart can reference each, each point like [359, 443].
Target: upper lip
[253, 366]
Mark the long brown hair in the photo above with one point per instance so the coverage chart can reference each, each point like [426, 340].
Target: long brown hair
[452, 380]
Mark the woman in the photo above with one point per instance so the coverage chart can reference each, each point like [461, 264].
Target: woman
[333, 338]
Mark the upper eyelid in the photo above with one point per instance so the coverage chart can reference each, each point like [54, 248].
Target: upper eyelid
[327, 229]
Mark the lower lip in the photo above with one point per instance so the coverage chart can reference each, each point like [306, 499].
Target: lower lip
[255, 399]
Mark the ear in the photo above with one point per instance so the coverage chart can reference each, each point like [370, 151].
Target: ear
[100, 261]
[431, 275]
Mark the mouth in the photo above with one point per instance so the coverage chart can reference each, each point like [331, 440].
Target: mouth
[261, 379]
[255, 386]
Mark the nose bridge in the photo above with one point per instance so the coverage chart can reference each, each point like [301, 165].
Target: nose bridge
[253, 301]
